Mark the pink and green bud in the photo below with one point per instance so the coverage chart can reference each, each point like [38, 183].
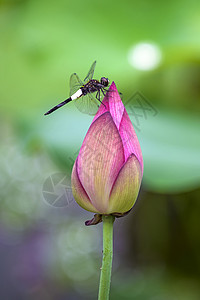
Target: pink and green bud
[107, 173]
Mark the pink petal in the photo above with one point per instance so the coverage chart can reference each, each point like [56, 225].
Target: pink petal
[129, 139]
[126, 187]
[99, 160]
[78, 191]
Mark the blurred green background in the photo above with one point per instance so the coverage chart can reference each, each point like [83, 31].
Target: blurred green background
[151, 49]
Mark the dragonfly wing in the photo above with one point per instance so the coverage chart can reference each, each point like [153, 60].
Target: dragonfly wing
[75, 83]
[87, 104]
[91, 72]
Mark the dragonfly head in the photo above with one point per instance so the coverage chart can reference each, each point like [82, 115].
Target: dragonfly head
[104, 81]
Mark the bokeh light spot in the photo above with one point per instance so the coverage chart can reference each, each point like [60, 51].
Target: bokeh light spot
[145, 56]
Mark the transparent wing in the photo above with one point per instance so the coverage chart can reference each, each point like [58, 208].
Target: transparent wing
[87, 104]
[75, 83]
[91, 72]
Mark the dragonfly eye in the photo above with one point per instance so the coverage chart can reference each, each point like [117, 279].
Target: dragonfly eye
[104, 81]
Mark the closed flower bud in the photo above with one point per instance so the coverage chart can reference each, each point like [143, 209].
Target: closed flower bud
[107, 173]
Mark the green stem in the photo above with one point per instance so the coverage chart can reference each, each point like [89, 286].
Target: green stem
[105, 278]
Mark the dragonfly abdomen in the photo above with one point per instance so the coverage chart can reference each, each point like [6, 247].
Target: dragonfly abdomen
[78, 94]
[58, 106]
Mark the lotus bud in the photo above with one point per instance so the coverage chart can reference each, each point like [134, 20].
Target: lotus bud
[107, 173]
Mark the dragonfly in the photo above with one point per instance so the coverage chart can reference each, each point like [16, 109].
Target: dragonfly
[81, 92]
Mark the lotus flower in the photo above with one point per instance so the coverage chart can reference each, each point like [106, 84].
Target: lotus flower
[107, 173]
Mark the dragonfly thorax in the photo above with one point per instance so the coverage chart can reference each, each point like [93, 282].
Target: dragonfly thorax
[104, 81]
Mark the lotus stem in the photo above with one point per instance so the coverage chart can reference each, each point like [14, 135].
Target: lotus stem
[105, 277]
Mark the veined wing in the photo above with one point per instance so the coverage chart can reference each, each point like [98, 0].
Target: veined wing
[90, 73]
[75, 83]
[87, 104]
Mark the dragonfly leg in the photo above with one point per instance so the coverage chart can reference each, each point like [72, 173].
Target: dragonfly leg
[98, 95]
[98, 98]
[103, 92]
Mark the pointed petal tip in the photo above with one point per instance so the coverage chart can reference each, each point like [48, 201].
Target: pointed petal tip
[108, 98]
[113, 86]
